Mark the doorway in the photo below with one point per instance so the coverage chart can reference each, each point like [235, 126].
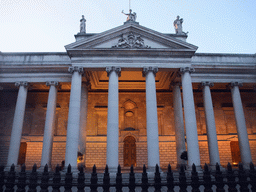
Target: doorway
[22, 153]
[235, 153]
[129, 151]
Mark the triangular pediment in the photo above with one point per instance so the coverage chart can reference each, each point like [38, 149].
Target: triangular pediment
[130, 36]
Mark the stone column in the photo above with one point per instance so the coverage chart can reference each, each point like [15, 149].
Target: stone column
[17, 125]
[113, 118]
[190, 117]
[152, 120]
[210, 125]
[83, 119]
[73, 117]
[179, 124]
[240, 124]
[49, 124]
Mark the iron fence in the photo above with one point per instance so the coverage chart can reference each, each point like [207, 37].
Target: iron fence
[219, 180]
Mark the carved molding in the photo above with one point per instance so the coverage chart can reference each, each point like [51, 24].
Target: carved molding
[76, 69]
[233, 84]
[187, 69]
[52, 83]
[207, 83]
[148, 69]
[21, 83]
[131, 42]
[113, 68]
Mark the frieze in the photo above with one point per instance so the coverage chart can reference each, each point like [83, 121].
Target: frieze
[131, 42]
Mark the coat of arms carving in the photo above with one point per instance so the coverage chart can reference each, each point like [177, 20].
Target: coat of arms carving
[131, 41]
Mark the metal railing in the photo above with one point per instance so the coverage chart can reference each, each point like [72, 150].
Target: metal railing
[218, 180]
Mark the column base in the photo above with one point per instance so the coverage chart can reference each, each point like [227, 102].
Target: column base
[198, 168]
[74, 170]
[213, 167]
[153, 170]
[8, 168]
[178, 166]
[112, 169]
[246, 166]
[41, 169]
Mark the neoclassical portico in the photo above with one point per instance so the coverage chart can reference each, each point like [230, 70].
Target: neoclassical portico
[97, 121]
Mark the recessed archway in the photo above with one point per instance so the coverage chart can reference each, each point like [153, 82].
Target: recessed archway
[129, 151]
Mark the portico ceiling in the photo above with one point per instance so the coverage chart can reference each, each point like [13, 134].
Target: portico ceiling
[131, 80]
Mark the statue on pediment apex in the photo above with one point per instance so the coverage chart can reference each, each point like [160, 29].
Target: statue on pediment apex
[178, 25]
[130, 16]
[82, 25]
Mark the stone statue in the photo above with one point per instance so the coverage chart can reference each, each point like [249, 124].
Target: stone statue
[139, 42]
[178, 25]
[131, 42]
[122, 42]
[130, 16]
[82, 25]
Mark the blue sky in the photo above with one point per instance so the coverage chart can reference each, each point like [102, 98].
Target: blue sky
[219, 26]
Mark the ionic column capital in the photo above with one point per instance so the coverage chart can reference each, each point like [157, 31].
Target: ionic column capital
[21, 83]
[148, 69]
[76, 69]
[207, 83]
[52, 83]
[233, 84]
[187, 69]
[114, 68]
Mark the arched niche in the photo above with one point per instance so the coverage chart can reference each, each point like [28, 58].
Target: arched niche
[129, 152]
[129, 116]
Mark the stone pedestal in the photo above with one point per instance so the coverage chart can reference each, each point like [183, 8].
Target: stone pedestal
[113, 118]
[17, 125]
[152, 120]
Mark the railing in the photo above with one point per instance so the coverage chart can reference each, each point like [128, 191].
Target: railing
[221, 181]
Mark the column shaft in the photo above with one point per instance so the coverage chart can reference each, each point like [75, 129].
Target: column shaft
[17, 125]
[113, 118]
[190, 118]
[152, 120]
[179, 124]
[241, 125]
[210, 125]
[73, 118]
[83, 118]
[49, 124]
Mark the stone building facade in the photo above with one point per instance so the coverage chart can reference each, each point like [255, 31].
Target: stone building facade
[129, 95]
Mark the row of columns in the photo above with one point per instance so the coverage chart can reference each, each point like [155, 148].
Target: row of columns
[78, 106]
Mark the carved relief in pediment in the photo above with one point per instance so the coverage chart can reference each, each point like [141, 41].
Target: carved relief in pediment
[132, 41]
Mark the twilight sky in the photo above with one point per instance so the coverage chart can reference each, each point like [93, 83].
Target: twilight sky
[215, 26]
